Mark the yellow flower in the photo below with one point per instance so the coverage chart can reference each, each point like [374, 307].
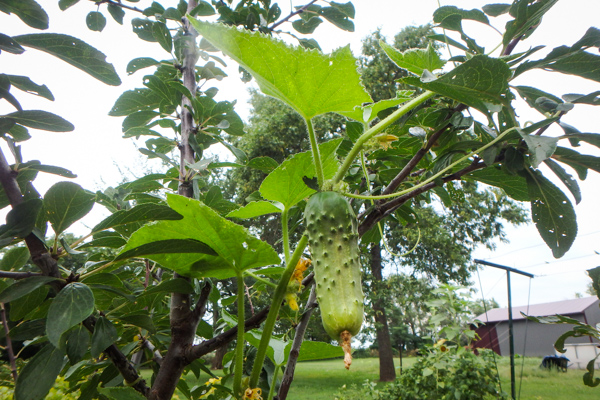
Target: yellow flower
[253, 394]
[291, 300]
[298, 274]
[385, 140]
[210, 382]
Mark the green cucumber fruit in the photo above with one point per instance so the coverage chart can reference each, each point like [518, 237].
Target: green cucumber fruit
[333, 238]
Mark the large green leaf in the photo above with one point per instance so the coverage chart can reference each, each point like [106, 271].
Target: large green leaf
[104, 335]
[167, 246]
[25, 84]
[286, 184]
[579, 162]
[515, 186]
[310, 82]
[254, 209]
[66, 203]
[479, 82]
[135, 100]
[527, 16]
[176, 285]
[369, 112]
[43, 120]
[78, 341]
[23, 287]
[566, 179]
[141, 213]
[14, 259]
[540, 147]
[75, 52]
[552, 213]
[29, 11]
[236, 249]
[21, 220]
[73, 304]
[8, 44]
[414, 60]
[38, 375]
[310, 350]
[121, 393]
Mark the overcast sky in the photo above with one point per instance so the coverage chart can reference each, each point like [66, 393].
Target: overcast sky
[97, 153]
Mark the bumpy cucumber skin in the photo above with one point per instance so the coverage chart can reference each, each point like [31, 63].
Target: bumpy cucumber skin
[333, 238]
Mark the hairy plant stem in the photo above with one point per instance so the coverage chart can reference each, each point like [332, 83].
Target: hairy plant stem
[239, 348]
[274, 382]
[377, 129]
[439, 174]
[314, 146]
[286, 235]
[274, 311]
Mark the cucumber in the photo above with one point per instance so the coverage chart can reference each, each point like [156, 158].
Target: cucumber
[333, 239]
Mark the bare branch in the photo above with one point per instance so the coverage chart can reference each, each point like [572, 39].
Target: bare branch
[381, 211]
[197, 351]
[406, 171]
[9, 348]
[130, 375]
[200, 308]
[290, 367]
[292, 14]
[119, 4]
[18, 275]
[209, 345]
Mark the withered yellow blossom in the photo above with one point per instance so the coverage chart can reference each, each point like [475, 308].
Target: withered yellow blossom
[253, 394]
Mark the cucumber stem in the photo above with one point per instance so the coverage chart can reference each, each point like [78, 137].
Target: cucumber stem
[314, 146]
[239, 348]
[377, 129]
[346, 343]
[278, 296]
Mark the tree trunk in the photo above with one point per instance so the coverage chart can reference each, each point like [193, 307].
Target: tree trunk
[387, 372]
[217, 361]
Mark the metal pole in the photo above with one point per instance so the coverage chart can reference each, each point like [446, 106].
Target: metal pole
[510, 319]
[511, 340]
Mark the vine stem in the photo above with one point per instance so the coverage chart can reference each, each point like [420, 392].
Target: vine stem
[274, 311]
[273, 382]
[377, 129]
[436, 176]
[239, 349]
[286, 235]
[315, 152]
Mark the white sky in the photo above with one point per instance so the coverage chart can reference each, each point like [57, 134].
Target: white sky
[95, 148]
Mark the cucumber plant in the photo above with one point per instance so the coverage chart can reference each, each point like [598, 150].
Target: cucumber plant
[168, 254]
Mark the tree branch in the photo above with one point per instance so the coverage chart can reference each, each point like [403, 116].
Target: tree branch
[18, 275]
[127, 371]
[183, 320]
[406, 171]
[290, 367]
[37, 249]
[297, 12]
[200, 308]
[9, 348]
[381, 211]
[199, 350]
[119, 4]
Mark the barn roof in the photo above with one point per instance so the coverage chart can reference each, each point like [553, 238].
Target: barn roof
[565, 307]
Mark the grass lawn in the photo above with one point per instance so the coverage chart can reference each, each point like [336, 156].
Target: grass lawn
[320, 380]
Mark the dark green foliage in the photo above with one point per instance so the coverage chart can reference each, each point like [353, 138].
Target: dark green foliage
[448, 373]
